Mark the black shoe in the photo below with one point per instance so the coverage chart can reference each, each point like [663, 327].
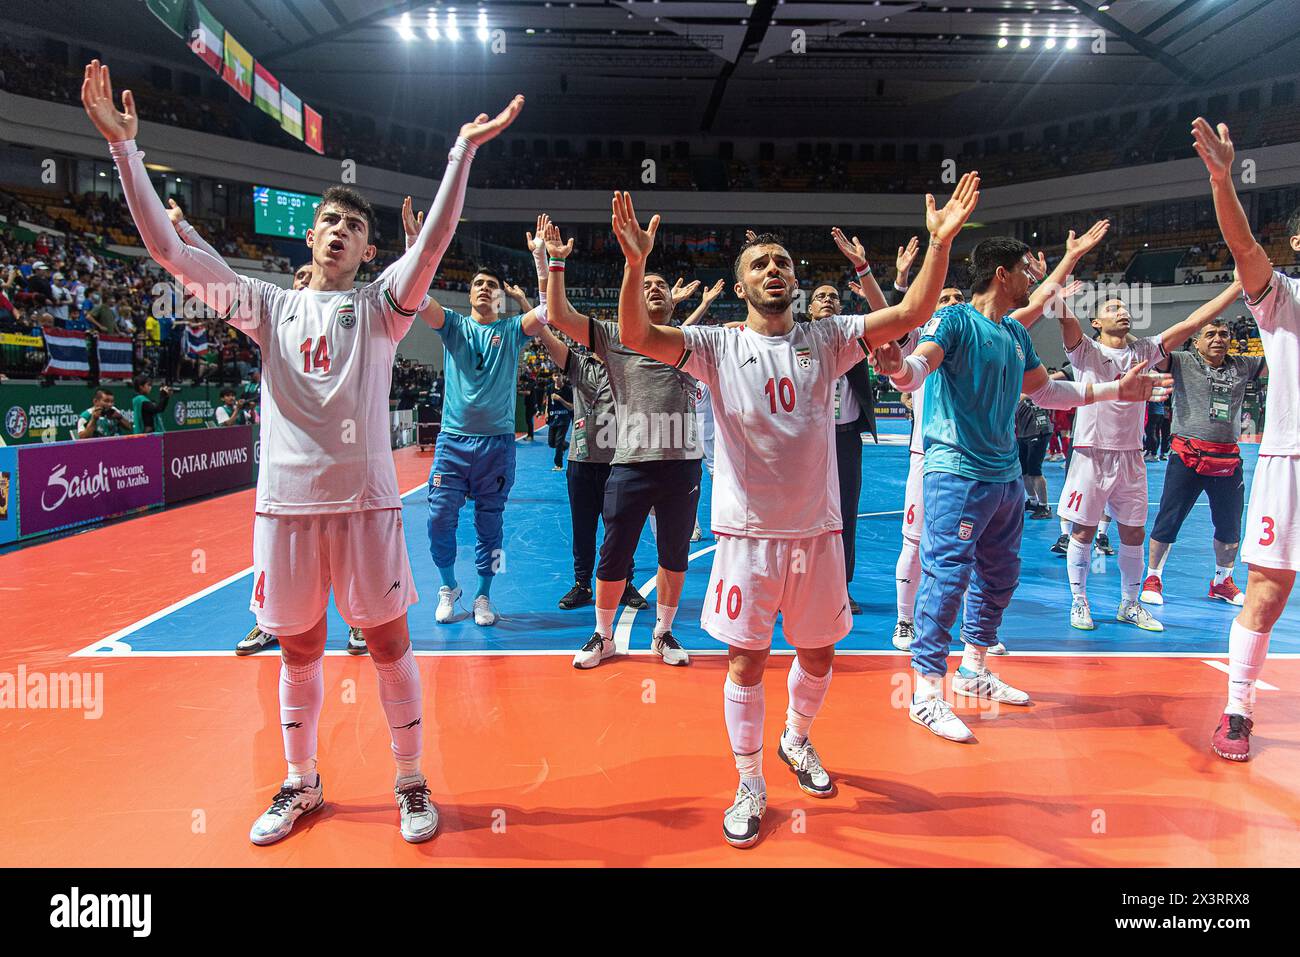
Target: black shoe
[854, 607]
[1102, 544]
[1040, 512]
[577, 596]
[1029, 505]
[356, 642]
[1062, 545]
[632, 598]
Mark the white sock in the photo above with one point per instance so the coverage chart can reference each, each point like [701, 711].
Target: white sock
[1103, 525]
[1065, 527]
[907, 576]
[807, 692]
[1130, 571]
[605, 621]
[1159, 570]
[1221, 572]
[928, 686]
[400, 694]
[1246, 653]
[302, 689]
[664, 615]
[1076, 564]
[742, 707]
[972, 659]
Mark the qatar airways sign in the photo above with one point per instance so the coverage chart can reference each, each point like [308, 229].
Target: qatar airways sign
[203, 461]
[71, 483]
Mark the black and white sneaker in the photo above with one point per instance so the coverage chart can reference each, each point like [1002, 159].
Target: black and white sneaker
[669, 649]
[596, 650]
[254, 642]
[1062, 544]
[904, 635]
[576, 597]
[419, 815]
[632, 598]
[1102, 544]
[356, 642]
[806, 764]
[294, 800]
[741, 822]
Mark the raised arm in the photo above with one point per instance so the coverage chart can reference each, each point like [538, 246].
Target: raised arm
[923, 295]
[1218, 154]
[1075, 249]
[665, 343]
[559, 313]
[1058, 306]
[706, 300]
[1176, 336]
[556, 349]
[856, 254]
[1137, 385]
[188, 234]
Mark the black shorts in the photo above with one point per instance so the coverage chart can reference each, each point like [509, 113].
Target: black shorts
[672, 489]
[1032, 452]
[1183, 486]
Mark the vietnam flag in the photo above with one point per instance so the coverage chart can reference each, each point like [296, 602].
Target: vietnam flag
[312, 126]
[207, 37]
[239, 68]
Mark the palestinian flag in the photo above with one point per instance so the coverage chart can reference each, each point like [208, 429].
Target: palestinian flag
[266, 91]
[207, 38]
[239, 68]
[290, 112]
[313, 136]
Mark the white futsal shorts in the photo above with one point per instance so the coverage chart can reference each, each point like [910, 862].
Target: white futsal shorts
[1270, 537]
[755, 579]
[296, 558]
[1099, 478]
[914, 498]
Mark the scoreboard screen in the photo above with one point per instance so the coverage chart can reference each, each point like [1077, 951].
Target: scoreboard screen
[279, 212]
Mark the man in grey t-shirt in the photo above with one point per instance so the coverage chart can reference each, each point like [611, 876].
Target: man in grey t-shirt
[1209, 389]
[656, 463]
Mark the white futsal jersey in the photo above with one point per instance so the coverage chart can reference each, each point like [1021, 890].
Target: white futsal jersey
[1277, 313]
[1115, 426]
[917, 444]
[327, 366]
[774, 418]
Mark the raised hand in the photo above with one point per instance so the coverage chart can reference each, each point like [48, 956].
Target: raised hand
[97, 98]
[1037, 268]
[681, 292]
[517, 294]
[1214, 149]
[481, 129]
[855, 287]
[750, 235]
[411, 222]
[906, 256]
[887, 358]
[537, 240]
[853, 250]
[945, 223]
[714, 291]
[1081, 246]
[635, 241]
[1137, 385]
[556, 247]
[174, 212]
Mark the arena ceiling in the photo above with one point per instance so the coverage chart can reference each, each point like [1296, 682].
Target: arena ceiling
[773, 68]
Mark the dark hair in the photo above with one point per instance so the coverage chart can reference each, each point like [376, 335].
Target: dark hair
[1293, 223]
[227, 391]
[140, 381]
[990, 255]
[488, 271]
[349, 199]
[102, 391]
[762, 239]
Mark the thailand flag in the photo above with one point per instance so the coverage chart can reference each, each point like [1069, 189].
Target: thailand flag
[67, 352]
[115, 357]
[195, 343]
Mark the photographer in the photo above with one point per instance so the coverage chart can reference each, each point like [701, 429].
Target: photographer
[146, 415]
[233, 411]
[102, 419]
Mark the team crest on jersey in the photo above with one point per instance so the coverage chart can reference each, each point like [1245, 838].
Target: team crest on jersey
[496, 340]
[965, 530]
[804, 357]
[347, 315]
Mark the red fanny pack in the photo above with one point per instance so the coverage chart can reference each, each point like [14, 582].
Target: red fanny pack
[1217, 459]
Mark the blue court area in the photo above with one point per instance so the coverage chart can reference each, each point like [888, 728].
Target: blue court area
[539, 570]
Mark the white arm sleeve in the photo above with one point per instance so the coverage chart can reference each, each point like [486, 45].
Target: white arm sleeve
[190, 237]
[912, 375]
[414, 272]
[1064, 394]
[206, 277]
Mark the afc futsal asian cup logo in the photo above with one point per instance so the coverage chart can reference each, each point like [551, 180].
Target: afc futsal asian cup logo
[16, 422]
[178, 413]
[347, 315]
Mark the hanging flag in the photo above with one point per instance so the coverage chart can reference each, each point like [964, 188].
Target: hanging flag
[67, 352]
[266, 91]
[171, 13]
[115, 357]
[239, 68]
[311, 119]
[290, 112]
[208, 37]
[195, 342]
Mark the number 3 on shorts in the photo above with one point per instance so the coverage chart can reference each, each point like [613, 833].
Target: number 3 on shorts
[1269, 536]
[733, 601]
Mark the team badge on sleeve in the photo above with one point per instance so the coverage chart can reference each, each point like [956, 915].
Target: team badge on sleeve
[931, 327]
[965, 530]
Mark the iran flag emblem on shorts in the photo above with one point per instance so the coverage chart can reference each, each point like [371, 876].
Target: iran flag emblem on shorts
[965, 530]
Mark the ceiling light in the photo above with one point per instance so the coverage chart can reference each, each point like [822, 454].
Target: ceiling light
[1002, 42]
[431, 28]
[404, 27]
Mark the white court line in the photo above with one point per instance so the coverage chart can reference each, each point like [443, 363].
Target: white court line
[623, 631]
[1259, 682]
[116, 646]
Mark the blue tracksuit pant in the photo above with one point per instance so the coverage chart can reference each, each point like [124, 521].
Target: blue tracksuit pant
[481, 467]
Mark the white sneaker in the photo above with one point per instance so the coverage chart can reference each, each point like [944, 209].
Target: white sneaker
[1081, 614]
[806, 763]
[998, 649]
[254, 642]
[668, 648]
[741, 822]
[449, 609]
[1132, 612]
[294, 800]
[904, 634]
[988, 686]
[419, 815]
[935, 714]
[484, 613]
[697, 534]
[596, 650]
